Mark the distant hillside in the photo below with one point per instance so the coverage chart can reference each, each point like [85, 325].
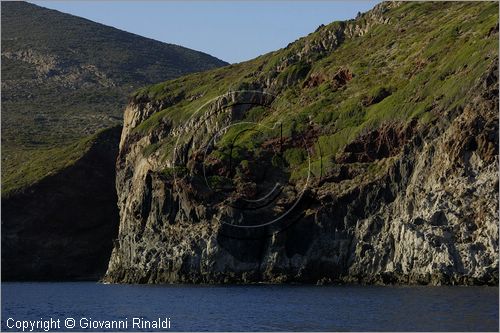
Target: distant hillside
[63, 226]
[65, 77]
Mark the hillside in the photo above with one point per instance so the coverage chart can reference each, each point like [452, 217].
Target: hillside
[364, 152]
[65, 81]
[62, 227]
[65, 77]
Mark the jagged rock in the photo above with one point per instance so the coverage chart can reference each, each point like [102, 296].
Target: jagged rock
[424, 211]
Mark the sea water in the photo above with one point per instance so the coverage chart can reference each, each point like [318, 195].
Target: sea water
[87, 306]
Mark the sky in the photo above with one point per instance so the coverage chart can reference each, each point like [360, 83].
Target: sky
[233, 31]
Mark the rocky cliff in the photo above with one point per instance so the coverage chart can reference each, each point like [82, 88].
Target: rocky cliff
[62, 227]
[365, 152]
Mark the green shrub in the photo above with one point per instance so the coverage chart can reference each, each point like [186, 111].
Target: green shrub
[219, 182]
[295, 156]
[293, 73]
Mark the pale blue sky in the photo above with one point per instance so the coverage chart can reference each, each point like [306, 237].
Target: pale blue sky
[233, 31]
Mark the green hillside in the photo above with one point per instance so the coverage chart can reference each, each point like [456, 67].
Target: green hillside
[410, 63]
[65, 78]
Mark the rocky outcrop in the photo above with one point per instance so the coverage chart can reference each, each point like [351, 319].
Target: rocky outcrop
[429, 215]
[406, 201]
[440, 221]
[382, 142]
[62, 227]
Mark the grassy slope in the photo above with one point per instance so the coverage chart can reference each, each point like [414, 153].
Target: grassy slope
[46, 162]
[64, 78]
[428, 57]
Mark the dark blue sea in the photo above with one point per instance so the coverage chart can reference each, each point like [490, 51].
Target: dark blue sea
[89, 306]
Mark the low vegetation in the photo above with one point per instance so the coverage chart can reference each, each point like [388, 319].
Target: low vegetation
[423, 61]
[42, 163]
[64, 78]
